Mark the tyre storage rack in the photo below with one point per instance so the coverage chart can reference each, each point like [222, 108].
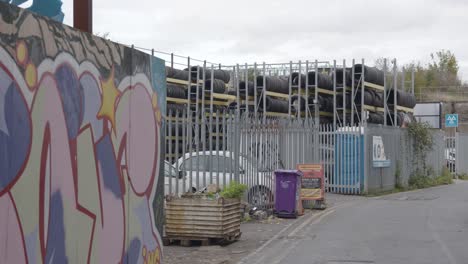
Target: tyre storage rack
[245, 73]
[203, 102]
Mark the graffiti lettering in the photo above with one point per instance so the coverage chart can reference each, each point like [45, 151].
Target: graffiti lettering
[79, 160]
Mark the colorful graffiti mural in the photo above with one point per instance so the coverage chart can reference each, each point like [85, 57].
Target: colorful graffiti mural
[80, 146]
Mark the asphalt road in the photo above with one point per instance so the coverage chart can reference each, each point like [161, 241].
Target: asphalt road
[425, 226]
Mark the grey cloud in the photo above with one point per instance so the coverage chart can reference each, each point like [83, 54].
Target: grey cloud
[281, 30]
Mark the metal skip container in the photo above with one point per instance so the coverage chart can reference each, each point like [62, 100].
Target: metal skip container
[287, 193]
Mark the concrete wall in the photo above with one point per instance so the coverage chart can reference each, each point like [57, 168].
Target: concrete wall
[399, 150]
[80, 146]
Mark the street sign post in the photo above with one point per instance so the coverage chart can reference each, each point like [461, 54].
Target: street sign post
[451, 120]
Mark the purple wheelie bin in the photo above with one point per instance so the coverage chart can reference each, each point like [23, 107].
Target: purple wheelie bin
[287, 194]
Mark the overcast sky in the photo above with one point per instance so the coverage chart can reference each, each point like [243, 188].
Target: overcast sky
[279, 31]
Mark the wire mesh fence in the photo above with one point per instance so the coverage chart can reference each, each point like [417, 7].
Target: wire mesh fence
[442, 94]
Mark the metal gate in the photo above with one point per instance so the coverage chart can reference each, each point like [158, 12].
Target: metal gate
[343, 155]
[451, 150]
[223, 147]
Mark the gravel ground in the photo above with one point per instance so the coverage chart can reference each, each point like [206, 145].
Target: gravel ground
[254, 235]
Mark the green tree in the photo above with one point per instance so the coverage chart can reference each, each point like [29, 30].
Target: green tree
[443, 69]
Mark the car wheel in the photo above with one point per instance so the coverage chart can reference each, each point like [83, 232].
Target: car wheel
[260, 196]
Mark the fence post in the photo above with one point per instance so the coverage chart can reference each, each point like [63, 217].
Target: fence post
[366, 156]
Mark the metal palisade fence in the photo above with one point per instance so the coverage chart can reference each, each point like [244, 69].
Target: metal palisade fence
[461, 154]
[218, 148]
[456, 152]
[225, 146]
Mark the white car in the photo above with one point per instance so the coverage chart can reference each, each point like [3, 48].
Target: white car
[219, 167]
[172, 178]
[450, 158]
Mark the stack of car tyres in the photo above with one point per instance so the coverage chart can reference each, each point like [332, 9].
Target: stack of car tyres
[324, 101]
[218, 74]
[404, 99]
[276, 84]
[215, 81]
[340, 81]
[320, 80]
[324, 81]
[371, 75]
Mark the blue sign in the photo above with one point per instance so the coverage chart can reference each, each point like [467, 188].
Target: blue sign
[451, 120]
[381, 163]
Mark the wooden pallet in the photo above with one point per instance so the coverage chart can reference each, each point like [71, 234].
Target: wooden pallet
[199, 241]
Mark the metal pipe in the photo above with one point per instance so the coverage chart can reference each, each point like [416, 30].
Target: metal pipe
[197, 94]
[184, 143]
[363, 81]
[403, 75]
[212, 89]
[238, 99]
[189, 81]
[217, 149]
[290, 90]
[246, 80]
[172, 60]
[353, 103]
[299, 90]
[264, 92]
[334, 94]
[167, 140]
[395, 91]
[344, 92]
[306, 91]
[255, 91]
[385, 92]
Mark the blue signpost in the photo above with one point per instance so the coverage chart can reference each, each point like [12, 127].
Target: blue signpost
[451, 120]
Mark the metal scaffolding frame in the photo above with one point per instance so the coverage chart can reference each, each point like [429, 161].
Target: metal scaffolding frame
[342, 113]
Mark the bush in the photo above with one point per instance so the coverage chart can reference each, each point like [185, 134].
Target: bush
[234, 190]
[420, 181]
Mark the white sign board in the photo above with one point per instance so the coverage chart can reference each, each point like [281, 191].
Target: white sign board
[430, 113]
[378, 153]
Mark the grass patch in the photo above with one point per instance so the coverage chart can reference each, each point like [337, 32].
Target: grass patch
[419, 181]
[463, 177]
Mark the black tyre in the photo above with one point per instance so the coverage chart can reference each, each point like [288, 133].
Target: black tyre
[176, 91]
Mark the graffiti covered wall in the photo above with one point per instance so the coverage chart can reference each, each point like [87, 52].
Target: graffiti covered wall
[48, 8]
[80, 146]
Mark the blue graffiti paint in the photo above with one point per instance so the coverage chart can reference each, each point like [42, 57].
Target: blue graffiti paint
[141, 211]
[108, 165]
[14, 143]
[159, 82]
[71, 93]
[48, 8]
[55, 251]
[91, 104]
[133, 252]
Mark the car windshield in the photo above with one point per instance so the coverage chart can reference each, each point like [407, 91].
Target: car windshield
[170, 170]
